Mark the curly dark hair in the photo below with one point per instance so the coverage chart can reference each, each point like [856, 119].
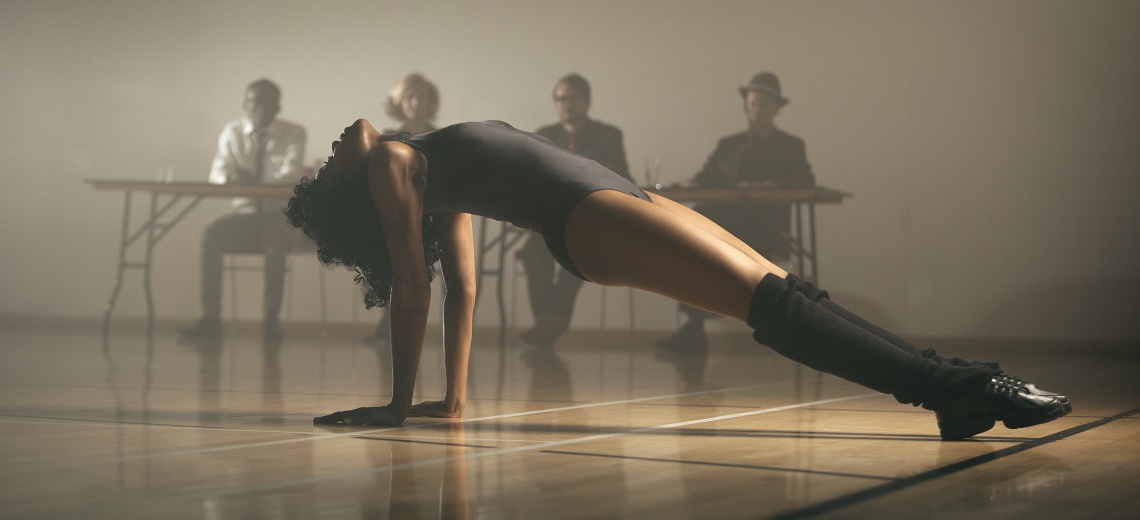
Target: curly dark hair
[336, 212]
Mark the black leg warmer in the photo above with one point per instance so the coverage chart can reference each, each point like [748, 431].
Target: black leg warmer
[811, 332]
[816, 294]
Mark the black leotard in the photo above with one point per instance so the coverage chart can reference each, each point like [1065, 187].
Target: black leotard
[495, 170]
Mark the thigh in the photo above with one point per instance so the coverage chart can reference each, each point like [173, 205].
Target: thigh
[236, 233]
[717, 230]
[277, 237]
[616, 239]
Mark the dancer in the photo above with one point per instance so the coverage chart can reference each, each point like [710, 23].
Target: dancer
[389, 206]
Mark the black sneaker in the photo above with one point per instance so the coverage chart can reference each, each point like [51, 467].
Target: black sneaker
[203, 329]
[1013, 401]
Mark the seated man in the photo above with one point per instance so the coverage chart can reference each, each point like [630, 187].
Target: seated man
[761, 155]
[254, 149]
[552, 291]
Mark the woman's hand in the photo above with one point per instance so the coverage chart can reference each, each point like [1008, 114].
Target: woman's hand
[436, 409]
[370, 416]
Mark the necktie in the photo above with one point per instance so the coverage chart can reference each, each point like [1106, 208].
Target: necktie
[259, 143]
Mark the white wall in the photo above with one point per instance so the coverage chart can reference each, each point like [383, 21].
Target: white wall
[992, 146]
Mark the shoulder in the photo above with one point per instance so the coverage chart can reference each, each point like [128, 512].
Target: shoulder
[394, 152]
[781, 135]
[288, 127]
[233, 128]
[396, 170]
[604, 129]
[732, 139]
[549, 130]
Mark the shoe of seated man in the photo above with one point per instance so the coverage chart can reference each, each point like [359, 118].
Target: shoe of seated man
[203, 329]
[691, 336]
[1011, 400]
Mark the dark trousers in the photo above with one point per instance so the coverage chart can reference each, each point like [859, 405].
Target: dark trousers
[253, 233]
[551, 289]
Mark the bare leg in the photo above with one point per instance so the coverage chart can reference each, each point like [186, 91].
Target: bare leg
[620, 240]
[691, 335]
[665, 248]
[716, 230]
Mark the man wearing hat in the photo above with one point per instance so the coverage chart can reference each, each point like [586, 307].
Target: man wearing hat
[762, 155]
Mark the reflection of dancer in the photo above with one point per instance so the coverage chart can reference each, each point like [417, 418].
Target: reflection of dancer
[413, 101]
[387, 206]
[417, 490]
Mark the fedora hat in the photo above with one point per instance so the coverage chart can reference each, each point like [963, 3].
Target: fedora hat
[767, 83]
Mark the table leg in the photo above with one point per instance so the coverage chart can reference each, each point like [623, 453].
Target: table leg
[119, 271]
[150, 241]
[799, 238]
[153, 231]
[814, 252]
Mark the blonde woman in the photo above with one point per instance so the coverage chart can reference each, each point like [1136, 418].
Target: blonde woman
[413, 101]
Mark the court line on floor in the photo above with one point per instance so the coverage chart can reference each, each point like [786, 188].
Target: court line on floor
[57, 421]
[360, 432]
[682, 462]
[950, 469]
[494, 453]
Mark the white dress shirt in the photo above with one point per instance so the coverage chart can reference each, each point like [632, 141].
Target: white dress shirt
[238, 150]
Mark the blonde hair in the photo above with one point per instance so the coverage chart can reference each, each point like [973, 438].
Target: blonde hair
[413, 81]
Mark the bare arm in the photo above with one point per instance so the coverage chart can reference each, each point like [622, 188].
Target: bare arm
[397, 193]
[225, 169]
[396, 187]
[458, 263]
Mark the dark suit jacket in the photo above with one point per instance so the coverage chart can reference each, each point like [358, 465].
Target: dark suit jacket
[596, 140]
[779, 159]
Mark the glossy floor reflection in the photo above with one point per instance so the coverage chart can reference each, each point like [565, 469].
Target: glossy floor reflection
[601, 426]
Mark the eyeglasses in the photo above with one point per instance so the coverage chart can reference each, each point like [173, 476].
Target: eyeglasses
[568, 99]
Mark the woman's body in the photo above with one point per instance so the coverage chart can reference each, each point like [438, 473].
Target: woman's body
[609, 232]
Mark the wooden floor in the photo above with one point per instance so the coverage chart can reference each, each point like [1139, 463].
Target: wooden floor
[599, 427]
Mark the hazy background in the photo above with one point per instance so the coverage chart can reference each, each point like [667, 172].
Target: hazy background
[993, 147]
